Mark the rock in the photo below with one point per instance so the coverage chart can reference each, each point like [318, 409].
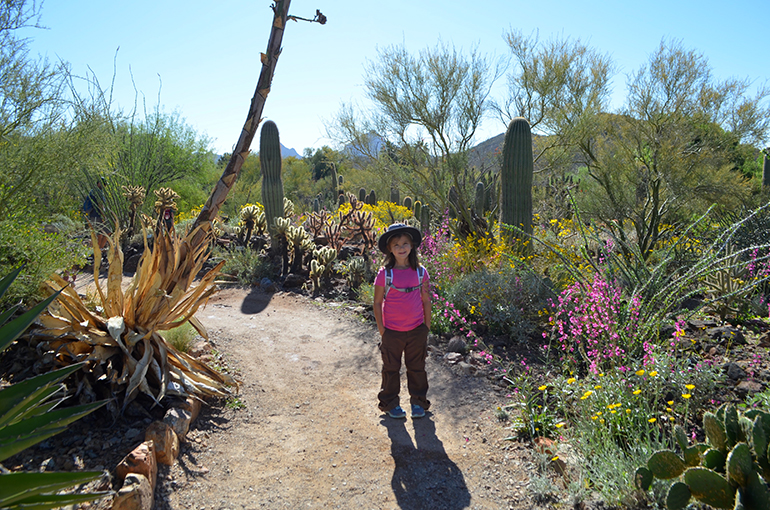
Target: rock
[294, 281]
[179, 420]
[453, 357]
[457, 344]
[193, 405]
[467, 368]
[747, 388]
[132, 433]
[165, 440]
[734, 372]
[136, 494]
[141, 461]
[267, 285]
[200, 348]
[697, 324]
[432, 339]
[132, 263]
[727, 333]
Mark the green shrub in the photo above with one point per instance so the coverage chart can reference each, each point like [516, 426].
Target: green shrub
[247, 266]
[504, 302]
[40, 253]
[181, 337]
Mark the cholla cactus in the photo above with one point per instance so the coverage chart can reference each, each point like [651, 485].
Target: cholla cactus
[165, 206]
[166, 199]
[297, 237]
[316, 223]
[135, 196]
[355, 270]
[288, 208]
[253, 217]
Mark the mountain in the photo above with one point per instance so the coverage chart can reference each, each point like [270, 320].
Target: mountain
[286, 152]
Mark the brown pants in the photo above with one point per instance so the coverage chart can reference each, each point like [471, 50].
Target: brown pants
[414, 347]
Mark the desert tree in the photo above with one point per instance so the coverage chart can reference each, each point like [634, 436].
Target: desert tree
[423, 113]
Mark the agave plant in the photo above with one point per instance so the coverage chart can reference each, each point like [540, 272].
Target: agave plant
[122, 344]
[28, 416]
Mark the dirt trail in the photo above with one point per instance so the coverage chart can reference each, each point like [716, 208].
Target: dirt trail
[310, 434]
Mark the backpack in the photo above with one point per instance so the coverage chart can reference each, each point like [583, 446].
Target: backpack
[389, 281]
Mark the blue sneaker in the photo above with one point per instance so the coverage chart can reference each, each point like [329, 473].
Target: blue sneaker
[417, 411]
[397, 413]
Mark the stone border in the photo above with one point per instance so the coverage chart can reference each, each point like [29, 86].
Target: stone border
[138, 470]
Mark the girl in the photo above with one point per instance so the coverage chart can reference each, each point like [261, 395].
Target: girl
[402, 311]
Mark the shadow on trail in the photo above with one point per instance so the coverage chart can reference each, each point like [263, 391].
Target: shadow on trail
[424, 477]
[255, 301]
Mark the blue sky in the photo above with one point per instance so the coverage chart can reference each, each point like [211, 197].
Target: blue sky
[206, 54]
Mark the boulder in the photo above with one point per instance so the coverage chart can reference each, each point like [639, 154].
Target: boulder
[294, 281]
[727, 334]
[141, 461]
[457, 344]
[179, 420]
[136, 494]
[165, 440]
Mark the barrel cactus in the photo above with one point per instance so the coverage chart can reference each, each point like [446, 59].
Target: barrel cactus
[270, 163]
[516, 177]
[730, 470]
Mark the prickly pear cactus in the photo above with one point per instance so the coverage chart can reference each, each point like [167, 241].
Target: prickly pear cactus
[270, 163]
[516, 176]
[731, 471]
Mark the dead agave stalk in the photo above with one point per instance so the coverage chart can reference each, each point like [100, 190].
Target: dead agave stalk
[122, 343]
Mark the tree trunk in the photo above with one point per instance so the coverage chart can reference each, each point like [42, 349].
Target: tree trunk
[269, 61]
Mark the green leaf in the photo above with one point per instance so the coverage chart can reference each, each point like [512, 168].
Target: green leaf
[8, 280]
[665, 465]
[17, 398]
[13, 330]
[14, 438]
[709, 487]
[50, 501]
[739, 465]
[678, 496]
[643, 478]
[15, 487]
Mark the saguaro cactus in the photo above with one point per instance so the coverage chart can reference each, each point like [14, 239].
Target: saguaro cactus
[270, 163]
[766, 168]
[516, 176]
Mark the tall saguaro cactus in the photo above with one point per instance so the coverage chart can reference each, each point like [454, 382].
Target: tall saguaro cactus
[270, 163]
[516, 177]
[766, 168]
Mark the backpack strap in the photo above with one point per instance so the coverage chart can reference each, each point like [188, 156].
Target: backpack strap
[389, 281]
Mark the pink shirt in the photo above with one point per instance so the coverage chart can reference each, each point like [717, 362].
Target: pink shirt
[402, 311]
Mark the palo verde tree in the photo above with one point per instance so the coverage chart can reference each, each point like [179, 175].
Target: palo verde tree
[426, 109]
[31, 106]
[669, 150]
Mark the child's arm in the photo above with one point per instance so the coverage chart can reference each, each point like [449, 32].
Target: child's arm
[425, 294]
[379, 295]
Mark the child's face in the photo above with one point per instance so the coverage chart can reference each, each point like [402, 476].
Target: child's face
[400, 247]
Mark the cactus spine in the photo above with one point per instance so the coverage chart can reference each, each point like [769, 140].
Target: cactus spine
[516, 176]
[270, 163]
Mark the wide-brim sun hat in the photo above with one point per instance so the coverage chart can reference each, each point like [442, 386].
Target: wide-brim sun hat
[398, 229]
